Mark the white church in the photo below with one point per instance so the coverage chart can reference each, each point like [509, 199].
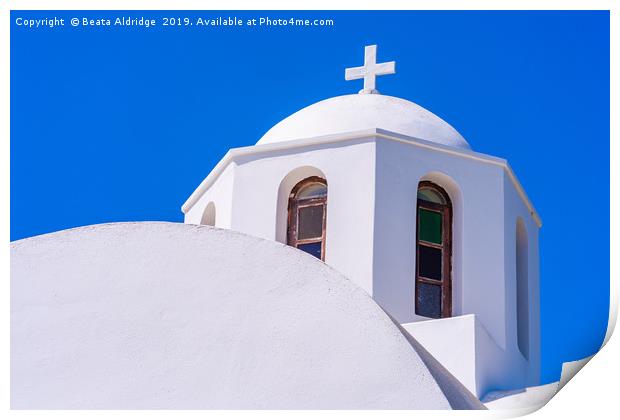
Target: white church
[359, 256]
[442, 237]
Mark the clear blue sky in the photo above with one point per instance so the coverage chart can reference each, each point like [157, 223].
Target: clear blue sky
[120, 124]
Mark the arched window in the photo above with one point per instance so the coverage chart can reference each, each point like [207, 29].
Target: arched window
[307, 215]
[434, 252]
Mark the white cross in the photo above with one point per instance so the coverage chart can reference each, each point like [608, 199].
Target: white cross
[370, 70]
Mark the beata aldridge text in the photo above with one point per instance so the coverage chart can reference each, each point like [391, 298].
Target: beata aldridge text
[120, 21]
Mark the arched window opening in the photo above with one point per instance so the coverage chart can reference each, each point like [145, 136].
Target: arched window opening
[523, 301]
[208, 216]
[433, 252]
[307, 215]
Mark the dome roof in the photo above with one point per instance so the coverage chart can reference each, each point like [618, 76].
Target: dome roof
[211, 330]
[348, 113]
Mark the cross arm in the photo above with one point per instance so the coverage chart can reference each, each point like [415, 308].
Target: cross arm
[354, 73]
[385, 68]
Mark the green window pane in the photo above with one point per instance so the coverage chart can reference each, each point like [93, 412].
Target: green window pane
[429, 229]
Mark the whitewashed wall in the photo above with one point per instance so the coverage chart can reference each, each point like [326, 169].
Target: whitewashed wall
[476, 192]
[514, 209]
[260, 204]
[221, 195]
[479, 364]
[371, 225]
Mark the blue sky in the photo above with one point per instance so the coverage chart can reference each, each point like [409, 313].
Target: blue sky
[121, 124]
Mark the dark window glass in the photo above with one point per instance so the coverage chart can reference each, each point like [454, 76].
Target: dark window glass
[429, 265]
[430, 226]
[313, 248]
[429, 300]
[310, 222]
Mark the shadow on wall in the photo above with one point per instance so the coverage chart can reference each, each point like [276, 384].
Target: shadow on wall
[208, 216]
[458, 396]
[523, 296]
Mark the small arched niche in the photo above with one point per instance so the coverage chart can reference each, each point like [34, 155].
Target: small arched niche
[208, 216]
[523, 301]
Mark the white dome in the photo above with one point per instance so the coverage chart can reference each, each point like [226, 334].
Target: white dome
[176, 316]
[349, 113]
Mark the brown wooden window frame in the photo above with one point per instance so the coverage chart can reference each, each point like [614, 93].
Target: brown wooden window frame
[294, 204]
[446, 247]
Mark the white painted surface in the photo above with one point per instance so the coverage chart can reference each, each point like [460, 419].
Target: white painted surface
[514, 209]
[221, 196]
[479, 363]
[334, 140]
[350, 113]
[259, 205]
[370, 70]
[458, 395]
[441, 337]
[476, 192]
[371, 220]
[162, 315]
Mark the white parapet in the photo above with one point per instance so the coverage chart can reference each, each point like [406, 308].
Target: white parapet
[464, 347]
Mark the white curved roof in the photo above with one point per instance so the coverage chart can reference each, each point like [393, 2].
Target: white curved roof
[176, 316]
[350, 113]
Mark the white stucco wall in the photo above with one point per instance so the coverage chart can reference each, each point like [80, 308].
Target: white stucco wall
[371, 225]
[486, 205]
[221, 195]
[372, 188]
[476, 191]
[513, 210]
[262, 183]
[441, 336]
[479, 364]
[178, 316]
